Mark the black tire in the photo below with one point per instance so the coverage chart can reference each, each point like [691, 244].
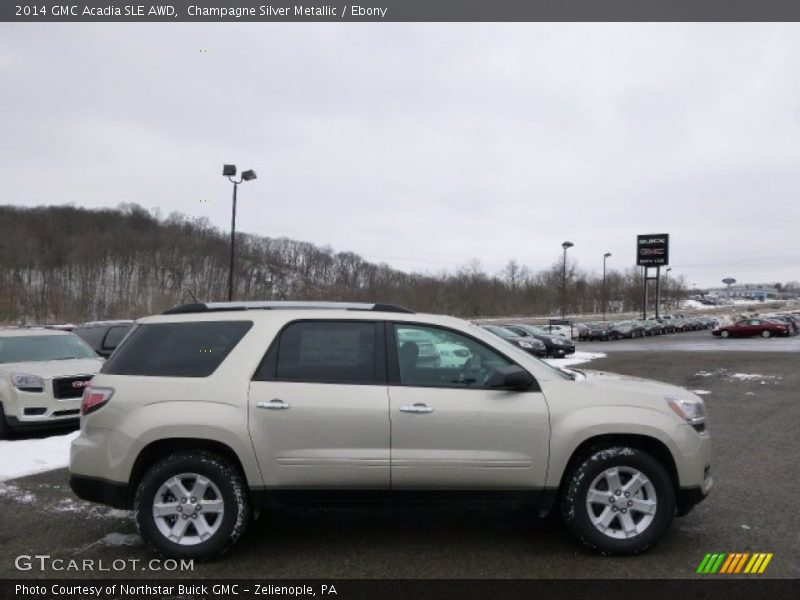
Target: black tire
[5, 430]
[766, 333]
[576, 486]
[233, 490]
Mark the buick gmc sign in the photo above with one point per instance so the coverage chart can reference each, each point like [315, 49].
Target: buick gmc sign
[652, 249]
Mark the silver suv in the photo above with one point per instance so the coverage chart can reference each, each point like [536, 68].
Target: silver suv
[43, 373]
[209, 412]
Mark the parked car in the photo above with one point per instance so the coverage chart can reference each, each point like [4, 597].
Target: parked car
[599, 331]
[652, 327]
[42, 376]
[582, 331]
[752, 327]
[208, 413]
[556, 345]
[625, 329]
[559, 329]
[792, 322]
[103, 336]
[667, 323]
[528, 344]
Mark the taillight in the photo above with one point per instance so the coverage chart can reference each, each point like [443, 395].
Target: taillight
[94, 398]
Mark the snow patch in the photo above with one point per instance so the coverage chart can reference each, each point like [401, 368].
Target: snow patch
[17, 495]
[121, 539]
[19, 458]
[749, 376]
[575, 359]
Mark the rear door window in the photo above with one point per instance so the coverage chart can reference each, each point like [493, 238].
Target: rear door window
[192, 349]
[326, 352]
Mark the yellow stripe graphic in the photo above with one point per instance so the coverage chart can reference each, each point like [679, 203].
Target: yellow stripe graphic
[758, 562]
[765, 563]
[751, 563]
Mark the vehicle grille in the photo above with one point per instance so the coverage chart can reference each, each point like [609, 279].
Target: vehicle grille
[70, 387]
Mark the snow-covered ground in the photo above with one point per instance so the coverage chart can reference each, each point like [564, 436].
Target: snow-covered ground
[19, 458]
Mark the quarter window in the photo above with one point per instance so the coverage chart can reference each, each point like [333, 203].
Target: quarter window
[192, 349]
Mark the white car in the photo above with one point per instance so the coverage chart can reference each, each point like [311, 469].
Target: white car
[43, 373]
[211, 411]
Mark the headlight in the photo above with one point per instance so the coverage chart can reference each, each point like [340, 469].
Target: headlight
[27, 383]
[693, 411]
[527, 345]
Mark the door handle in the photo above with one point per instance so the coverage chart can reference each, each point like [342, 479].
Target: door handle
[276, 404]
[418, 409]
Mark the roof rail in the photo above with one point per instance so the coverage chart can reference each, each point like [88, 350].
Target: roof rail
[281, 304]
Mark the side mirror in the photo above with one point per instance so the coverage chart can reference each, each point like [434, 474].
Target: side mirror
[510, 378]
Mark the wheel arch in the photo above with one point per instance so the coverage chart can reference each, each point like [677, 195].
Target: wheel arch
[159, 449]
[655, 447]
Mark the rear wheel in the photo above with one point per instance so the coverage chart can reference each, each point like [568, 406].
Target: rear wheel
[766, 333]
[192, 505]
[619, 500]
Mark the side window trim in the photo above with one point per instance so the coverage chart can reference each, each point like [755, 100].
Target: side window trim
[394, 363]
[267, 369]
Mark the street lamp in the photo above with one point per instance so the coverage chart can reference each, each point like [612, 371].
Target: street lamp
[606, 256]
[229, 171]
[565, 245]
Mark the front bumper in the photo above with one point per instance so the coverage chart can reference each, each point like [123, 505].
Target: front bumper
[36, 424]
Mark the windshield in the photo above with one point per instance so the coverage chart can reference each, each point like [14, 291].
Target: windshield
[36, 348]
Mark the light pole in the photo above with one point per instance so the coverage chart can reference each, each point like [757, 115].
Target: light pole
[666, 286]
[565, 245]
[606, 256]
[229, 171]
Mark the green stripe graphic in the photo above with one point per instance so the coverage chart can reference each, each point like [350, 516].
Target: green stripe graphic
[701, 568]
[718, 564]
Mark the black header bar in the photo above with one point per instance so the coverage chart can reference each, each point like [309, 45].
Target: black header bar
[131, 11]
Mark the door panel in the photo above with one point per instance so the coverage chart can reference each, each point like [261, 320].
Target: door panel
[330, 436]
[472, 439]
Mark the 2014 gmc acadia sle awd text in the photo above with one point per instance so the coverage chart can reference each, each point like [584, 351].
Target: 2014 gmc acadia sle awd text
[210, 412]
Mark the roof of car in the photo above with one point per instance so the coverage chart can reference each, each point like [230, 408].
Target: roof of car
[204, 307]
[30, 331]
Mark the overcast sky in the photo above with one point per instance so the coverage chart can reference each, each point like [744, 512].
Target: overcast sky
[426, 146]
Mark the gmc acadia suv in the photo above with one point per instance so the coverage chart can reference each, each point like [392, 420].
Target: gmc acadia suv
[209, 412]
[43, 373]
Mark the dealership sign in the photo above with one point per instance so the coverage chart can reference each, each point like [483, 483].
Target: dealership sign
[652, 250]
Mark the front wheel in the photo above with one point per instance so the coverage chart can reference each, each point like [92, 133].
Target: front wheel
[619, 500]
[5, 430]
[766, 333]
[192, 505]
[725, 334]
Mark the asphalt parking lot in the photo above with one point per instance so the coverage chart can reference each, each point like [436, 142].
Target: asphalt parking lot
[754, 412]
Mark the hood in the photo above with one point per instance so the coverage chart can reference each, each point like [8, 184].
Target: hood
[55, 368]
[625, 386]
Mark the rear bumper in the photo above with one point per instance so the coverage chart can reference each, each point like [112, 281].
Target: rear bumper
[102, 491]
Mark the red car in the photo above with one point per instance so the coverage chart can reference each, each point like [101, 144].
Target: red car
[750, 327]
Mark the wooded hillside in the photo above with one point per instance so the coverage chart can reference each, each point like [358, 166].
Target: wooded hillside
[62, 263]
